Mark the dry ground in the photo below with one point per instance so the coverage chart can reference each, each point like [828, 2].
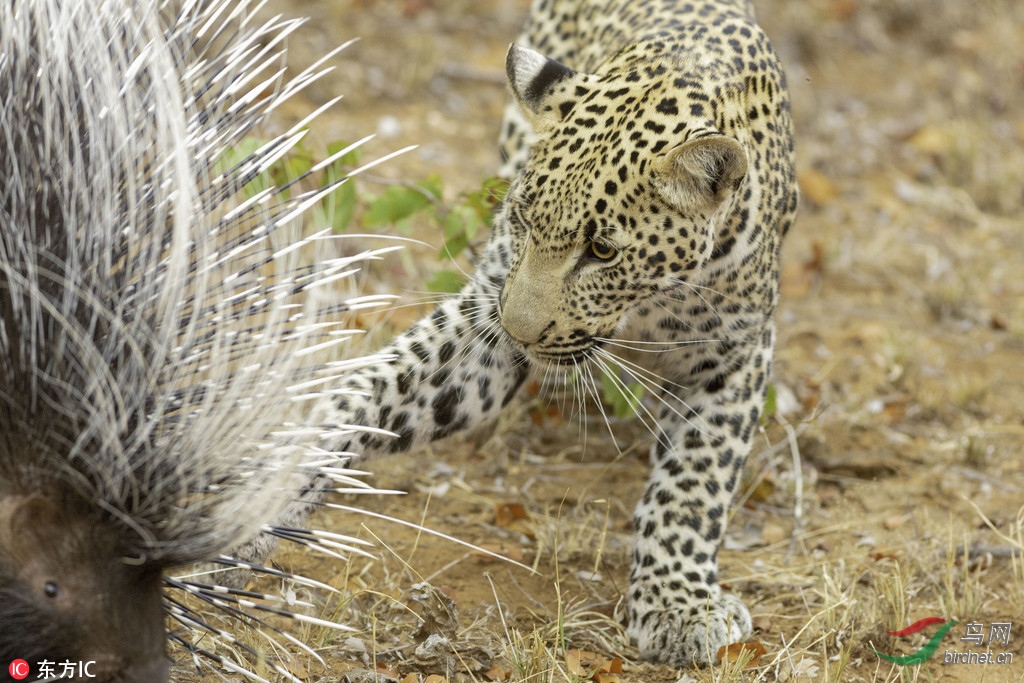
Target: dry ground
[900, 370]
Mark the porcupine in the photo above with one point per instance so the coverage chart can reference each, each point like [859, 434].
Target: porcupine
[156, 324]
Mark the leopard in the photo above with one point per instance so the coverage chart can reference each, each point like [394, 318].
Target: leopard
[649, 150]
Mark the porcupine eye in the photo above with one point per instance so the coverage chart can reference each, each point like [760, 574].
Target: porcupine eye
[51, 589]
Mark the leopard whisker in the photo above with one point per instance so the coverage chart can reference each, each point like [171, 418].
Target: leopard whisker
[483, 333]
[591, 385]
[487, 335]
[579, 397]
[441, 297]
[638, 371]
[423, 298]
[688, 324]
[654, 386]
[468, 276]
[643, 413]
[672, 345]
[413, 303]
[490, 289]
[697, 290]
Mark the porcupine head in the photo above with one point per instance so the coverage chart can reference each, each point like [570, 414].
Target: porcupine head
[67, 593]
[135, 387]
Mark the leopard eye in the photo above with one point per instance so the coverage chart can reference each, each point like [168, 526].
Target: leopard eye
[602, 251]
[51, 589]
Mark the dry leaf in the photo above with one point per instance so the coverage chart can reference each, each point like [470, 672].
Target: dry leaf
[806, 667]
[549, 417]
[739, 651]
[816, 187]
[798, 278]
[762, 491]
[599, 668]
[895, 411]
[843, 10]
[411, 678]
[435, 678]
[932, 139]
[413, 8]
[773, 533]
[816, 263]
[498, 673]
[385, 669]
[514, 517]
[796, 282]
[894, 522]
[507, 514]
[573, 662]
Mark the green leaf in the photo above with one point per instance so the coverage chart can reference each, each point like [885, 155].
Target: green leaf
[453, 247]
[492, 191]
[483, 201]
[433, 186]
[769, 403]
[460, 226]
[350, 159]
[446, 281]
[296, 163]
[395, 205]
[340, 205]
[623, 398]
[459, 220]
[240, 153]
[296, 166]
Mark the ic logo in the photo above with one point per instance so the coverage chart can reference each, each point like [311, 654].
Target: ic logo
[19, 669]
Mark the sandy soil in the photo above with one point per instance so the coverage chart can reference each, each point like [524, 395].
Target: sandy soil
[900, 370]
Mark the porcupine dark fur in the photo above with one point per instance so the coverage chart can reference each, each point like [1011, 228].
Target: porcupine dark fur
[152, 322]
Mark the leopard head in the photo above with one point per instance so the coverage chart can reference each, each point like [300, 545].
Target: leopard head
[618, 202]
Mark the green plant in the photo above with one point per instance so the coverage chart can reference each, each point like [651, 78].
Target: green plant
[459, 221]
[623, 397]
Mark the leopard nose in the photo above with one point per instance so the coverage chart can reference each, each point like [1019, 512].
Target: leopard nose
[516, 339]
[519, 317]
[517, 329]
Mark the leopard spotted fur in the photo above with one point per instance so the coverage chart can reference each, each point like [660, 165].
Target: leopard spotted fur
[652, 181]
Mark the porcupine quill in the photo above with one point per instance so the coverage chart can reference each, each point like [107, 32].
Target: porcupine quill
[155, 325]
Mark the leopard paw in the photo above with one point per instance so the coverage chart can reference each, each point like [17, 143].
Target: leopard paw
[690, 635]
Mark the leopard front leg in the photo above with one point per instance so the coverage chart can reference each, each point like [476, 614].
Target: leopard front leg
[678, 613]
[452, 371]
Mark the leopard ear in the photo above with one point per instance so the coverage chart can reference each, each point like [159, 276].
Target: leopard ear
[701, 173]
[546, 90]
